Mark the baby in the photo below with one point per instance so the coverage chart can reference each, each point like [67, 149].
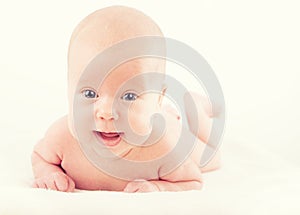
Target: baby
[58, 160]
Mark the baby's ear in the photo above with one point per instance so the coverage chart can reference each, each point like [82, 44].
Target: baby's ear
[162, 94]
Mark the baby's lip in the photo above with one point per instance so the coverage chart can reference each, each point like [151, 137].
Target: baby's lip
[109, 132]
[109, 138]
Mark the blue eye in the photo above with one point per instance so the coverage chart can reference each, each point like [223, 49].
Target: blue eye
[90, 94]
[129, 97]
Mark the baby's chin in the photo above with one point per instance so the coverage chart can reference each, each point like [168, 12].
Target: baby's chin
[112, 141]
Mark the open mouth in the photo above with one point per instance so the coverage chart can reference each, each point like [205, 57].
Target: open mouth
[109, 138]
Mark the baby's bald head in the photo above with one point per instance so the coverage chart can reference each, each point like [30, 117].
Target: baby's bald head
[104, 28]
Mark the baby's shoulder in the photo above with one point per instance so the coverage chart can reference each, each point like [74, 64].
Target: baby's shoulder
[169, 110]
[59, 128]
[58, 134]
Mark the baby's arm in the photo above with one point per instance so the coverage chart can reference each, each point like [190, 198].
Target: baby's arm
[186, 177]
[47, 157]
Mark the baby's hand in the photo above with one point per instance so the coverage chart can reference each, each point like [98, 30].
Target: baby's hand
[55, 181]
[140, 186]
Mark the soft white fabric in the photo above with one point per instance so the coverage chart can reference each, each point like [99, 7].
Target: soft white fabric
[251, 181]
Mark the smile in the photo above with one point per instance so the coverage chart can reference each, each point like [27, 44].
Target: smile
[109, 139]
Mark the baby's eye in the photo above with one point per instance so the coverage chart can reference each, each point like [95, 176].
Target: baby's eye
[129, 97]
[90, 94]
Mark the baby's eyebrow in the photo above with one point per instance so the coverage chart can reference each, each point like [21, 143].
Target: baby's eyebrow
[138, 86]
[91, 82]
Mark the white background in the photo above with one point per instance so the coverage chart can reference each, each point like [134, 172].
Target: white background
[253, 47]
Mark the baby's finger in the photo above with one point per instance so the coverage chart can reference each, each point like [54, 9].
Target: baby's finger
[50, 184]
[71, 185]
[147, 187]
[41, 184]
[132, 187]
[61, 182]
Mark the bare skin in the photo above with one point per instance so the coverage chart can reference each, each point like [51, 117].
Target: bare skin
[59, 163]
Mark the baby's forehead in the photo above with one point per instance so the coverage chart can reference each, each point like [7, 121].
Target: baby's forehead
[141, 64]
[132, 72]
[104, 28]
[139, 69]
[132, 69]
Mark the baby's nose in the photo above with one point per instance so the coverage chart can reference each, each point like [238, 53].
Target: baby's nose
[103, 115]
[105, 110]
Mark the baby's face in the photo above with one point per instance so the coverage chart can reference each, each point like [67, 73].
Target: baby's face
[120, 109]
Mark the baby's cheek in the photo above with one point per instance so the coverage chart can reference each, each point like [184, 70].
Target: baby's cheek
[139, 123]
[139, 119]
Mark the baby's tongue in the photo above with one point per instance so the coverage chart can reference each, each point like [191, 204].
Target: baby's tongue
[111, 138]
